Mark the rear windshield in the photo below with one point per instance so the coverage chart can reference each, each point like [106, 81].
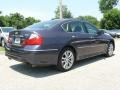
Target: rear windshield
[7, 30]
[43, 25]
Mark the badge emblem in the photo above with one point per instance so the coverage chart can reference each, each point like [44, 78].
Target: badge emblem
[16, 33]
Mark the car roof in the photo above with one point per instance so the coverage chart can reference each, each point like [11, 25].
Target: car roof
[67, 20]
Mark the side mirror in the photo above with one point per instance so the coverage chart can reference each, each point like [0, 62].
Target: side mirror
[100, 32]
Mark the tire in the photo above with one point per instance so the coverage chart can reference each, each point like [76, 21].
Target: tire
[110, 50]
[2, 42]
[66, 60]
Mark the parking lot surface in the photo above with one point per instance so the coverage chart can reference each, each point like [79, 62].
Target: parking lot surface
[98, 73]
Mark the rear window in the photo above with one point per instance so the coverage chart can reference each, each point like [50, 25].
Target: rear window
[43, 25]
[7, 30]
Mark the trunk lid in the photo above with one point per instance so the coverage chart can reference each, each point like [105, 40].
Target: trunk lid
[16, 38]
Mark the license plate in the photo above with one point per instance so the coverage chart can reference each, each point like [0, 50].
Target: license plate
[17, 41]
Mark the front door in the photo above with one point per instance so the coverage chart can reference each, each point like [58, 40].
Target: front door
[99, 45]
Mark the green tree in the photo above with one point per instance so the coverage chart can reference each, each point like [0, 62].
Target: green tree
[16, 20]
[106, 5]
[2, 21]
[111, 20]
[90, 19]
[7, 21]
[30, 21]
[65, 11]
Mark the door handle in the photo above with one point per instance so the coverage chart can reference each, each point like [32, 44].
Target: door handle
[74, 36]
[91, 37]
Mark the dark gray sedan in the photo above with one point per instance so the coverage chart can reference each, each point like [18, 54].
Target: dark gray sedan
[58, 42]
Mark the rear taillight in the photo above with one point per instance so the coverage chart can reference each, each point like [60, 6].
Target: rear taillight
[34, 39]
[9, 40]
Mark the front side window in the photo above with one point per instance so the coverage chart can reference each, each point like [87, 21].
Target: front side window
[73, 27]
[91, 29]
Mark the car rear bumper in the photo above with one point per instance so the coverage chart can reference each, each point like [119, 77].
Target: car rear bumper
[42, 57]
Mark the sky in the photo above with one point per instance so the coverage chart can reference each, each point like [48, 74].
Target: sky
[44, 9]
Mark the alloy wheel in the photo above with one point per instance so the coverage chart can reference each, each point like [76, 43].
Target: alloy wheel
[67, 59]
[110, 49]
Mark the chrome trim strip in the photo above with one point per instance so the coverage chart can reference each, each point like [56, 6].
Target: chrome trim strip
[83, 41]
[42, 50]
[90, 46]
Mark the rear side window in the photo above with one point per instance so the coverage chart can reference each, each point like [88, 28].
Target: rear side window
[73, 27]
[66, 27]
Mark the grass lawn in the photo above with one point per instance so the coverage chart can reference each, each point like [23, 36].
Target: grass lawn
[2, 49]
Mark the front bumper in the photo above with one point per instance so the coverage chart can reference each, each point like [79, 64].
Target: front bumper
[43, 57]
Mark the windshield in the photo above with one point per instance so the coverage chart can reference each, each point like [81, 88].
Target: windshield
[7, 30]
[43, 25]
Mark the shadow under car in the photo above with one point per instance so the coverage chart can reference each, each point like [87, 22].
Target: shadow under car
[41, 72]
